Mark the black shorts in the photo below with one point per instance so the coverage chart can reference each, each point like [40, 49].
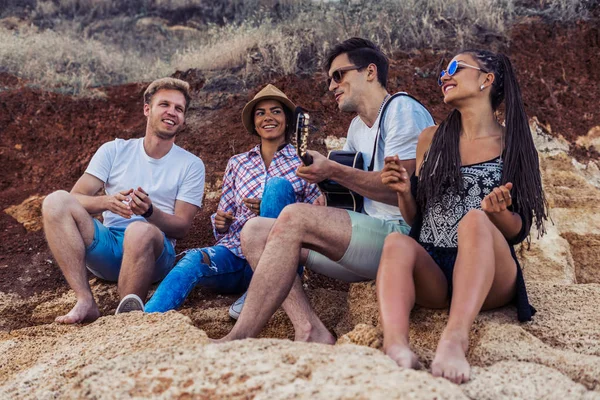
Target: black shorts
[445, 258]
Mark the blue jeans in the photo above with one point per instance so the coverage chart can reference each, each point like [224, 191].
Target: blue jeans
[226, 272]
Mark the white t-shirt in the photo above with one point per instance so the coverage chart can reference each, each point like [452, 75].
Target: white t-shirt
[404, 120]
[124, 164]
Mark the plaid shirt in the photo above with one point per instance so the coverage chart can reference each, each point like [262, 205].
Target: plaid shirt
[246, 176]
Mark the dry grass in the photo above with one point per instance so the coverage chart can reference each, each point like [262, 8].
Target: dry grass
[78, 44]
[563, 10]
[61, 60]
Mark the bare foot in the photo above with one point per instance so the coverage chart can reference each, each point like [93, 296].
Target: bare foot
[84, 311]
[314, 334]
[450, 361]
[403, 356]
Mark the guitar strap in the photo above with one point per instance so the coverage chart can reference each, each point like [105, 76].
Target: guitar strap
[381, 119]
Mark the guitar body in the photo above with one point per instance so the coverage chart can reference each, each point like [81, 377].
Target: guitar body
[337, 195]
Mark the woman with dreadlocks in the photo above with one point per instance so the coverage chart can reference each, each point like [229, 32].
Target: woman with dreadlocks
[476, 193]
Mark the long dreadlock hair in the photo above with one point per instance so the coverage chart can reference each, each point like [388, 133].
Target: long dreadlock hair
[521, 164]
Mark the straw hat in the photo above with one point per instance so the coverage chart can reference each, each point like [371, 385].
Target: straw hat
[269, 92]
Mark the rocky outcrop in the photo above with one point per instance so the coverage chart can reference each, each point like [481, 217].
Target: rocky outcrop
[28, 213]
[139, 355]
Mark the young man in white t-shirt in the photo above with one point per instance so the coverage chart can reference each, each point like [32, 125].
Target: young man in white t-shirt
[153, 189]
[358, 74]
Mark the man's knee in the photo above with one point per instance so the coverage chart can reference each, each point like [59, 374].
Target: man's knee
[252, 230]
[473, 223]
[294, 215]
[142, 234]
[57, 205]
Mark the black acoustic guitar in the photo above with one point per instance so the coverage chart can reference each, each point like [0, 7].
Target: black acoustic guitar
[335, 194]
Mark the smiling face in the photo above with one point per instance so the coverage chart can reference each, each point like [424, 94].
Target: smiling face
[348, 91]
[466, 81]
[166, 113]
[269, 120]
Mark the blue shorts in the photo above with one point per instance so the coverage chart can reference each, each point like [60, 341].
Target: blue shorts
[103, 257]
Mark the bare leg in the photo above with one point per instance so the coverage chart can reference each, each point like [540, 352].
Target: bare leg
[484, 277]
[307, 325]
[325, 230]
[142, 246]
[406, 274]
[69, 229]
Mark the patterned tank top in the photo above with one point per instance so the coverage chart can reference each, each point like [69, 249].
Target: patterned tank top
[440, 219]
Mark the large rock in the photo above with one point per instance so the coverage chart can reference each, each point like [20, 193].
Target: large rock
[148, 355]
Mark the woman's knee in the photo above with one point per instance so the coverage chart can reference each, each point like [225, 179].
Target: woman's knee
[278, 185]
[278, 193]
[194, 259]
[396, 241]
[475, 222]
[399, 247]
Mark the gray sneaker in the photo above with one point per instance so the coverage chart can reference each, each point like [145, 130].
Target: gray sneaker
[236, 308]
[130, 303]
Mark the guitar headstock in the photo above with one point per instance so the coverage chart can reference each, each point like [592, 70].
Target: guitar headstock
[300, 138]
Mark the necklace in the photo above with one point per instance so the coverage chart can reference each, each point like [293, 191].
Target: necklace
[387, 96]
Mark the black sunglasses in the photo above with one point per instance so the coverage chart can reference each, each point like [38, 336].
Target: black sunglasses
[338, 75]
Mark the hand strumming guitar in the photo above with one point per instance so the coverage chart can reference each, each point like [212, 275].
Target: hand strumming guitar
[318, 171]
[395, 176]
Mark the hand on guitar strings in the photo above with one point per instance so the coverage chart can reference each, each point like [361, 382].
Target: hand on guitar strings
[498, 200]
[318, 171]
[395, 176]
[253, 205]
[223, 221]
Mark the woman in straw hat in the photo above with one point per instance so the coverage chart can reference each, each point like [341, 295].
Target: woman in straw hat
[261, 182]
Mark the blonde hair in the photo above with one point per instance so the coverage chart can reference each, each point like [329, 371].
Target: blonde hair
[168, 83]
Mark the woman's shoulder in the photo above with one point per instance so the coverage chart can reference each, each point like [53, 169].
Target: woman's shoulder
[426, 135]
[243, 157]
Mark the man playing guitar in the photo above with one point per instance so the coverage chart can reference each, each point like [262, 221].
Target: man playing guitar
[316, 236]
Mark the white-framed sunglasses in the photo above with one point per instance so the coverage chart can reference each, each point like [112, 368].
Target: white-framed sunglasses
[454, 67]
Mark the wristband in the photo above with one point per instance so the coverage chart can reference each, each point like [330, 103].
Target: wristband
[148, 213]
